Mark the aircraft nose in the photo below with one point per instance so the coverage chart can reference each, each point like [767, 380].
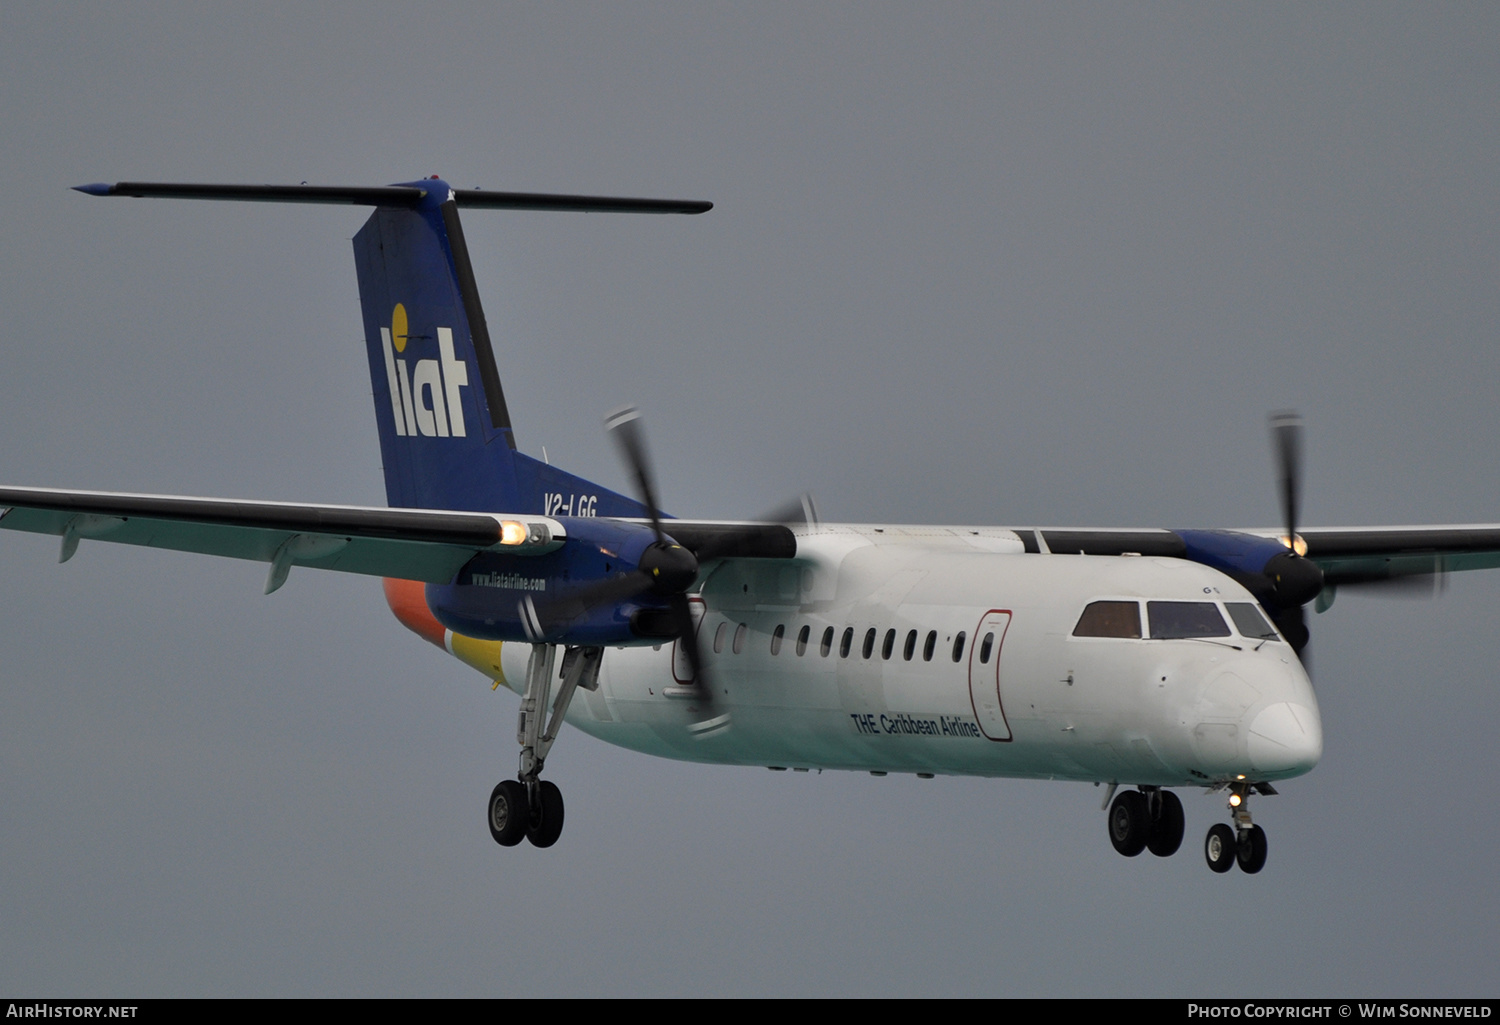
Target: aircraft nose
[1286, 738]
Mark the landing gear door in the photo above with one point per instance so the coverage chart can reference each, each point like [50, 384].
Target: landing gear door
[984, 675]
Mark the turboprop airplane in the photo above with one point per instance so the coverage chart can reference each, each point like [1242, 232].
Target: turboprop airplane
[1146, 659]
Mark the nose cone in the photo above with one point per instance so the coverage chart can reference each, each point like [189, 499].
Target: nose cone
[1286, 739]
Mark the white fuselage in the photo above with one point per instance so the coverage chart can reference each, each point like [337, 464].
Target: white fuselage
[1032, 700]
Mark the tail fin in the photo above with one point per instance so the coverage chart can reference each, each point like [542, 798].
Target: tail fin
[445, 432]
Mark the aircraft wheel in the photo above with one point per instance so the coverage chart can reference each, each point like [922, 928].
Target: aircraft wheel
[1219, 847]
[1129, 823]
[1167, 828]
[1251, 852]
[508, 813]
[547, 817]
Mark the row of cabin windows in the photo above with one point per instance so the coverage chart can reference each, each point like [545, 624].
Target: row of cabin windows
[846, 643]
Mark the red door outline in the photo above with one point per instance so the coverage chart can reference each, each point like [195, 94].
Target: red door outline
[984, 679]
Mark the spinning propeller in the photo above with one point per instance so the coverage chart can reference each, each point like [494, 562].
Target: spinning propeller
[625, 425]
[1294, 579]
[1286, 439]
[667, 568]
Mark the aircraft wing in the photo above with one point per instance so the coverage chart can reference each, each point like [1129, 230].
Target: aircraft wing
[1365, 555]
[1351, 556]
[413, 544]
[1347, 555]
[410, 544]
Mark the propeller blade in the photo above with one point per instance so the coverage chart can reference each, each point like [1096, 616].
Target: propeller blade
[673, 569]
[687, 637]
[625, 425]
[1286, 439]
[539, 619]
[799, 512]
[1292, 623]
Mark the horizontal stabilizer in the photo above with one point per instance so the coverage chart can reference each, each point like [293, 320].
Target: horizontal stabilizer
[581, 204]
[397, 196]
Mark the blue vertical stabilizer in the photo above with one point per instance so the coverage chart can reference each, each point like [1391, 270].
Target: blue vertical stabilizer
[445, 433]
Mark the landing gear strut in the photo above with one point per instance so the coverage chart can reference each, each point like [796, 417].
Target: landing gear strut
[1146, 819]
[1245, 843]
[530, 807]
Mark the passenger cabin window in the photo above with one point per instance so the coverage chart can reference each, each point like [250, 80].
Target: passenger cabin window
[739, 638]
[827, 644]
[776, 637]
[719, 637]
[1178, 619]
[802, 636]
[985, 647]
[888, 644]
[868, 648]
[958, 646]
[911, 646]
[1249, 622]
[846, 642]
[929, 645]
[1109, 619]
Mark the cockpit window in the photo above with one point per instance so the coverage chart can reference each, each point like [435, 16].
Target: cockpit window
[1109, 619]
[1249, 622]
[1171, 619]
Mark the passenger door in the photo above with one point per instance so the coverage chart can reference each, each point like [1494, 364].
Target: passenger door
[984, 674]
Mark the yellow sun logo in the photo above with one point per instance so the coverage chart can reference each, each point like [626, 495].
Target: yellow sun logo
[398, 328]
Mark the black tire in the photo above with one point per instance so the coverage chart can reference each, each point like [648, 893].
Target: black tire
[508, 813]
[1219, 847]
[1251, 852]
[1167, 828]
[1129, 823]
[547, 817]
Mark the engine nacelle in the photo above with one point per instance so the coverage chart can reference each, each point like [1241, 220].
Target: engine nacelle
[488, 597]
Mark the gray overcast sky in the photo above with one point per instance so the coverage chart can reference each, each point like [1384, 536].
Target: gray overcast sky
[1029, 263]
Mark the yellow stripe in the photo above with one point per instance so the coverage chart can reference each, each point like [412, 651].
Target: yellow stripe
[481, 655]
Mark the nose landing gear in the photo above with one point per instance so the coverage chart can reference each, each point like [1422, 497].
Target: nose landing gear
[530, 807]
[1245, 843]
[1219, 847]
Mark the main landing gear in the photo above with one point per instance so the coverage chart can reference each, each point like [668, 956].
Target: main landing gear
[1245, 843]
[1148, 819]
[530, 807]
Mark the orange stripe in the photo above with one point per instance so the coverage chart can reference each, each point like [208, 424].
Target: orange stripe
[408, 600]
